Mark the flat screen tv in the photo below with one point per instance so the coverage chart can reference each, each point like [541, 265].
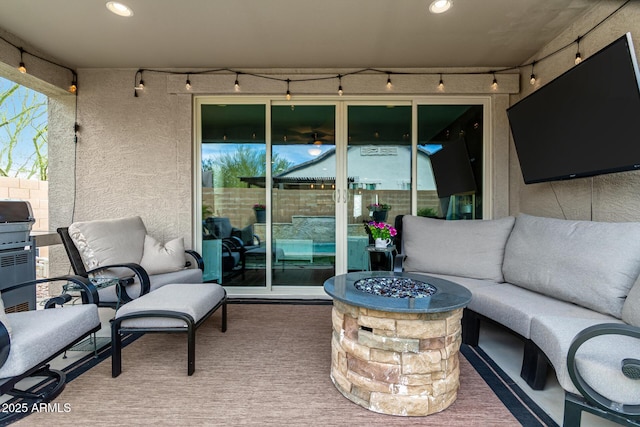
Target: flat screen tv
[585, 122]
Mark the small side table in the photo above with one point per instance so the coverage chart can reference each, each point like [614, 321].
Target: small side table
[381, 259]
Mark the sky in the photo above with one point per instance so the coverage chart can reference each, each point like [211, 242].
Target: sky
[9, 108]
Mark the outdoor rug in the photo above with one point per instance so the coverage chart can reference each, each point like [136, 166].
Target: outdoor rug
[271, 368]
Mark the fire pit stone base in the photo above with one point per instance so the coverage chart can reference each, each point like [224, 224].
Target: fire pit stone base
[396, 363]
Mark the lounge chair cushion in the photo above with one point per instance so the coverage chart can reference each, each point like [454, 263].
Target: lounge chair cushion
[39, 334]
[109, 242]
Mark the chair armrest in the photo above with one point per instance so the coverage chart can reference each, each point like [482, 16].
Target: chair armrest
[90, 292]
[398, 262]
[5, 344]
[198, 261]
[585, 389]
[143, 277]
[235, 243]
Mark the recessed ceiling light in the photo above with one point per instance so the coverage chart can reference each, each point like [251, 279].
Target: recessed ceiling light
[119, 8]
[440, 6]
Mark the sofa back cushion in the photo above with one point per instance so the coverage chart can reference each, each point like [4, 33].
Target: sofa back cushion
[592, 264]
[472, 249]
[108, 242]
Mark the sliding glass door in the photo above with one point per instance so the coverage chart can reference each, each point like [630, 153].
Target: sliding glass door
[286, 188]
[303, 167]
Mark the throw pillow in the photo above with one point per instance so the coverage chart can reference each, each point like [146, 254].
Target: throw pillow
[158, 258]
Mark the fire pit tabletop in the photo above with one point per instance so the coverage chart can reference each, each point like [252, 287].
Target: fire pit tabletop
[447, 296]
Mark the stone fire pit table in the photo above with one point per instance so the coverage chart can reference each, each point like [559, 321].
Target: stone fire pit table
[396, 338]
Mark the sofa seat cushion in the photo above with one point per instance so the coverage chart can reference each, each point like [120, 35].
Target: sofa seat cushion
[40, 334]
[515, 307]
[592, 264]
[472, 249]
[598, 360]
[186, 275]
[109, 242]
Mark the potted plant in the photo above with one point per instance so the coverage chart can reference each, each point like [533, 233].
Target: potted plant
[381, 233]
[261, 213]
[378, 211]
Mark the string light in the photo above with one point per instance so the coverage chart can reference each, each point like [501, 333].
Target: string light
[188, 83]
[288, 95]
[532, 80]
[441, 84]
[339, 84]
[389, 85]
[21, 67]
[236, 85]
[494, 85]
[578, 56]
[74, 84]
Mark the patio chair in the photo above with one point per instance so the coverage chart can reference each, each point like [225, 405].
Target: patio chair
[233, 246]
[124, 262]
[29, 340]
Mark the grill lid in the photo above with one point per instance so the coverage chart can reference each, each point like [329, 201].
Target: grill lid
[12, 211]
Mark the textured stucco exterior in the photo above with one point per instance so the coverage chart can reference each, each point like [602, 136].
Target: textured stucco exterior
[602, 198]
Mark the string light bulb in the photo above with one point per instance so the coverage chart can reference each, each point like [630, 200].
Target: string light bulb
[288, 95]
[441, 83]
[236, 85]
[340, 85]
[389, 85]
[532, 80]
[578, 56]
[188, 83]
[74, 84]
[21, 67]
[494, 84]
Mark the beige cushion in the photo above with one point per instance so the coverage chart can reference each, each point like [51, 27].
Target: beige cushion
[3, 317]
[631, 307]
[158, 258]
[592, 264]
[472, 249]
[108, 242]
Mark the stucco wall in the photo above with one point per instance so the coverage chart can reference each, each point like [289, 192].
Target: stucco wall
[133, 155]
[603, 198]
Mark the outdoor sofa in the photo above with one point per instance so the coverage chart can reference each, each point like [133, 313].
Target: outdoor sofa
[569, 289]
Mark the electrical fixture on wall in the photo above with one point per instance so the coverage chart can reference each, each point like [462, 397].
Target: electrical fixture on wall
[119, 9]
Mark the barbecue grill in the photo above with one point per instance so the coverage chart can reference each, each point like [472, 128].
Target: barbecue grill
[17, 255]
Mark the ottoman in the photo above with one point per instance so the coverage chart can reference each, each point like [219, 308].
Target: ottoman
[181, 307]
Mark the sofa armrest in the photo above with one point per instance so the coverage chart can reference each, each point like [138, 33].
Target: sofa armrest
[590, 395]
[141, 273]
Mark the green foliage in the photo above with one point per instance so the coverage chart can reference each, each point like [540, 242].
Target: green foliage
[430, 212]
[23, 133]
[244, 162]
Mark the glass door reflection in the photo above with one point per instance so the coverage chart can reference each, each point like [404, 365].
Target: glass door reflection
[303, 165]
